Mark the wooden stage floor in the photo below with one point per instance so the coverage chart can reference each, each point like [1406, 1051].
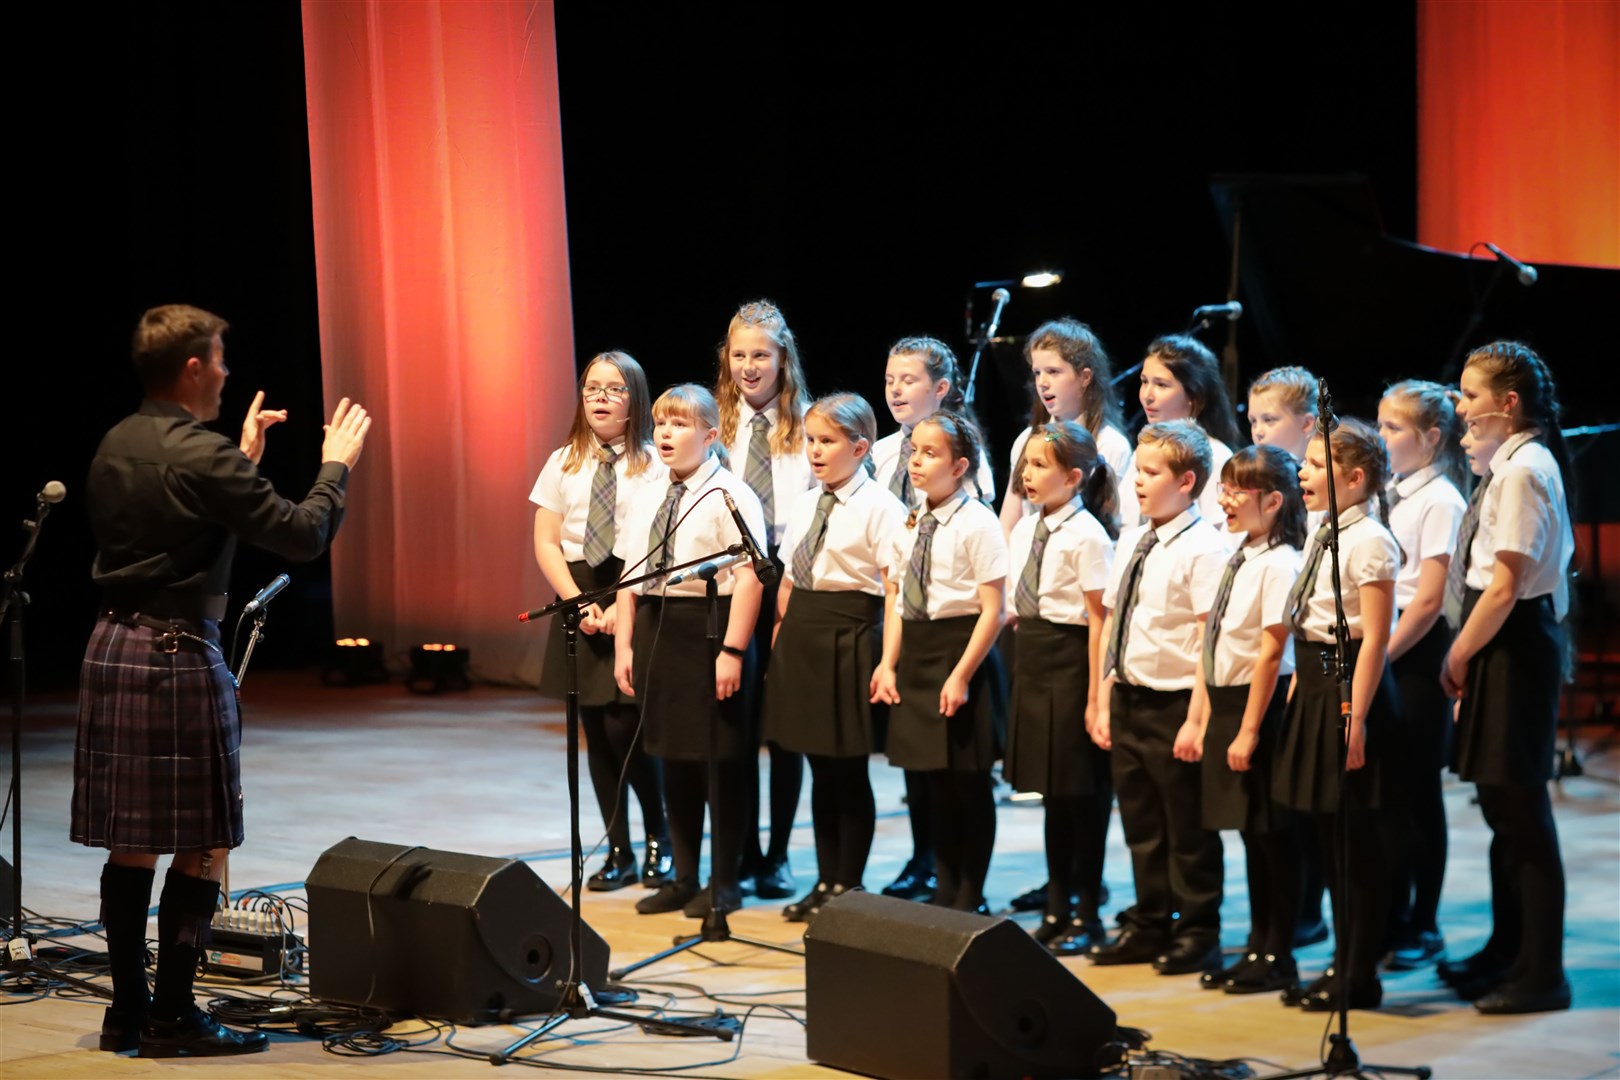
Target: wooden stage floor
[482, 772]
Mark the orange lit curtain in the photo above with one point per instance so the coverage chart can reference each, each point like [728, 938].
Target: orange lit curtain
[1519, 127]
[441, 262]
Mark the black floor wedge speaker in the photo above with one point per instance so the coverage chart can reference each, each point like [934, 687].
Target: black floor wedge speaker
[901, 990]
[467, 938]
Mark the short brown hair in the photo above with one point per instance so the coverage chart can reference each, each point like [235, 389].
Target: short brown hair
[1185, 448]
[167, 337]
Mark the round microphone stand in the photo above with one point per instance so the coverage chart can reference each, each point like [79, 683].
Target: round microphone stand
[1341, 1058]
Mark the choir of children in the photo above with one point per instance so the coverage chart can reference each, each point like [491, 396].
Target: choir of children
[1184, 664]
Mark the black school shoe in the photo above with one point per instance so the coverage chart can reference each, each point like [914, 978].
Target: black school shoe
[1082, 934]
[618, 871]
[1368, 995]
[1033, 900]
[121, 1032]
[196, 1034]
[657, 865]
[1420, 950]
[807, 905]
[671, 896]
[1295, 995]
[1217, 979]
[1266, 974]
[916, 881]
[1514, 999]
[1132, 946]
[1186, 956]
[773, 880]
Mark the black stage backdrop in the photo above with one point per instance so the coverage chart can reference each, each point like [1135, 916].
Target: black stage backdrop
[859, 166]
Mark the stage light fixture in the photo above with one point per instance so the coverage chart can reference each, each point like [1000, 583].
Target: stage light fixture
[1041, 279]
[354, 661]
[437, 667]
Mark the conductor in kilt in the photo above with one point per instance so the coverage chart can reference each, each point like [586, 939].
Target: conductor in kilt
[155, 768]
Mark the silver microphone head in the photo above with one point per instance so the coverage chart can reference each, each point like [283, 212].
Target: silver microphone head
[1001, 296]
[53, 492]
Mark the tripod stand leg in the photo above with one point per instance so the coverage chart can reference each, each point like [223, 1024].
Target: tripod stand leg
[680, 946]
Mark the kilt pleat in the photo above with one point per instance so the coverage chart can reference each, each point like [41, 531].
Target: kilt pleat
[1507, 721]
[818, 691]
[1048, 748]
[920, 737]
[1307, 771]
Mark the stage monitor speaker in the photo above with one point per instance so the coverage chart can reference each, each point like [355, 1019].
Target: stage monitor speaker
[897, 990]
[467, 938]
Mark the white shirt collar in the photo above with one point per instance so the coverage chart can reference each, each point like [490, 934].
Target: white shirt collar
[700, 475]
[945, 510]
[1507, 449]
[851, 486]
[746, 412]
[1176, 525]
[1414, 480]
[1252, 547]
[1058, 518]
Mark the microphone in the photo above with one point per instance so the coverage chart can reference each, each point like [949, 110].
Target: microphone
[764, 569]
[1001, 297]
[267, 594]
[1527, 273]
[53, 492]
[1231, 311]
[707, 570]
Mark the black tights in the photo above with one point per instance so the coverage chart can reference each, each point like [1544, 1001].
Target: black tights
[1527, 883]
[920, 809]
[845, 816]
[1273, 868]
[1076, 838]
[610, 738]
[964, 806]
[686, 789]
[1361, 944]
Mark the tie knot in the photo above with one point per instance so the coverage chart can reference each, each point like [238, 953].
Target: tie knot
[828, 497]
[606, 455]
[760, 422]
[1042, 530]
[1237, 559]
[1149, 538]
[676, 490]
[927, 525]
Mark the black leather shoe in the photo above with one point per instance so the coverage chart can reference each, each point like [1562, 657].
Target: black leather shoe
[196, 1034]
[1469, 968]
[1368, 995]
[618, 871]
[1422, 949]
[1295, 995]
[801, 909]
[1034, 900]
[916, 882]
[671, 896]
[1052, 927]
[121, 1032]
[1217, 979]
[1266, 974]
[697, 905]
[657, 866]
[1081, 936]
[1486, 984]
[773, 881]
[1188, 955]
[1513, 999]
[1132, 946]
[1310, 934]
[723, 898]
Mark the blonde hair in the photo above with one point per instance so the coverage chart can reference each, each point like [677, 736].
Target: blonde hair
[852, 415]
[638, 417]
[1294, 386]
[1428, 405]
[1185, 448]
[787, 436]
[693, 402]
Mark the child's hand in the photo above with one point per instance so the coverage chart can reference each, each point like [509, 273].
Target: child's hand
[953, 695]
[1241, 752]
[727, 675]
[1358, 745]
[1189, 742]
[1099, 727]
[883, 688]
[623, 667]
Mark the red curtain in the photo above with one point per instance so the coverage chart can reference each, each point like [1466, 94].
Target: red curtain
[442, 269]
[1519, 127]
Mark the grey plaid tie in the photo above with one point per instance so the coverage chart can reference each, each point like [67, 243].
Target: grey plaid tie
[1127, 602]
[1457, 571]
[660, 541]
[914, 598]
[805, 554]
[1223, 596]
[599, 528]
[757, 472]
[1306, 581]
[900, 482]
[1027, 593]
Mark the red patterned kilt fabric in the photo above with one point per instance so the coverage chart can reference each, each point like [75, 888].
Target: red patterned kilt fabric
[156, 768]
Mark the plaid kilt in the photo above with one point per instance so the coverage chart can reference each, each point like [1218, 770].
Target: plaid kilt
[156, 767]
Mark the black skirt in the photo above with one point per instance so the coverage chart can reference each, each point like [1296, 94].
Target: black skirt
[1309, 752]
[1421, 746]
[1241, 800]
[753, 688]
[674, 680]
[1508, 720]
[594, 652]
[920, 736]
[156, 767]
[1048, 748]
[818, 692]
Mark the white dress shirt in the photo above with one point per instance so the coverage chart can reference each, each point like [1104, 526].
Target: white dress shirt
[569, 493]
[968, 550]
[1078, 559]
[1425, 519]
[1525, 510]
[859, 541]
[1367, 553]
[1164, 649]
[1259, 600]
[708, 530]
[1112, 446]
[1209, 500]
[790, 473]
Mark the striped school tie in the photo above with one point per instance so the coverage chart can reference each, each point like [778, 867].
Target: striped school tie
[757, 471]
[1223, 596]
[599, 528]
[1122, 614]
[660, 540]
[1306, 582]
[810, 546]
[1457, 570]
[914, 597]
[900, 482]
[1027, 593]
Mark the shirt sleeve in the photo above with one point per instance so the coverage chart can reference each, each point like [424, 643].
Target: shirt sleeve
[798, 523]
[1438, 528]
[1524, 519]
[1276, 582]
[986, 548]
[1095, 561]
[1373, 557]
[229, 485]
[1127, 543]
[883, 527]
[548, 489]
[1206, 567]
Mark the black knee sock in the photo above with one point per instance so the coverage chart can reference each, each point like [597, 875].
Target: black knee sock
[975, 803]
[1274, 854]
[1364, 894]
[642, 771]
[947, 841]
[920, 807]
[604, 762]
[1260, 913]
[1429, 843]
[685, 793]
[787, 780]
[1066, 819]
[126, 894]
[726, 832]
[185, 912]
[857, 820]
[824, 817]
